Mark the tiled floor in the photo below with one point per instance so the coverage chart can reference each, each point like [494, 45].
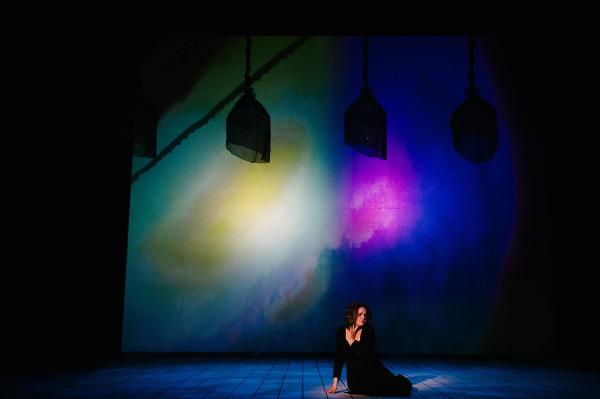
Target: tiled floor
[256, 378]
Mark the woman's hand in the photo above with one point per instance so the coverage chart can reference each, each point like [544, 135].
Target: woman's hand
[333, 386]
[332, 389]
[351, 334]
[353, 331]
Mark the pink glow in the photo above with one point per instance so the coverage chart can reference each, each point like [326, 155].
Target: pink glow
[383, 200]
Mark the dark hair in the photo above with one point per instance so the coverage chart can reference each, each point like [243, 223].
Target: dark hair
[352, 313]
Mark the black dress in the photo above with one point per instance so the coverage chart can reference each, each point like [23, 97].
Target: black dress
[366, 374]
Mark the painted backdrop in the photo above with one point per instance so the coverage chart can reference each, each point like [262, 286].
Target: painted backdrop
[224, 255]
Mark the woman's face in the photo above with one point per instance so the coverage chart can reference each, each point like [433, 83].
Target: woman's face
[361, 317]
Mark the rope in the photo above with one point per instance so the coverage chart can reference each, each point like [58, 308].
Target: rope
[366, 61]
[472, 88]
[247, 74]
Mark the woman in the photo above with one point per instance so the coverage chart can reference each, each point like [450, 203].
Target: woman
[355, 344]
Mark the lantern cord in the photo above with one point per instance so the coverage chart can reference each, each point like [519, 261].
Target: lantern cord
[366, 61]
[247, 74]
[472, 88]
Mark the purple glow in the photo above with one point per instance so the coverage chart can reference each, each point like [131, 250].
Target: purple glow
[383, 197]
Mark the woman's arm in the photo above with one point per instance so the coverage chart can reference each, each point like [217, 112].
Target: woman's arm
[338, 362]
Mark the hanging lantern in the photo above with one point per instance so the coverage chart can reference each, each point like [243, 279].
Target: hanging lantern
[365, 126]
[249, 130]
[249, 124]
[475, 129]
[143, 124]
[474, 123]
[365, 120]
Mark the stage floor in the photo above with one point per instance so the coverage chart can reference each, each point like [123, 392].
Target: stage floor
[301, 378]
